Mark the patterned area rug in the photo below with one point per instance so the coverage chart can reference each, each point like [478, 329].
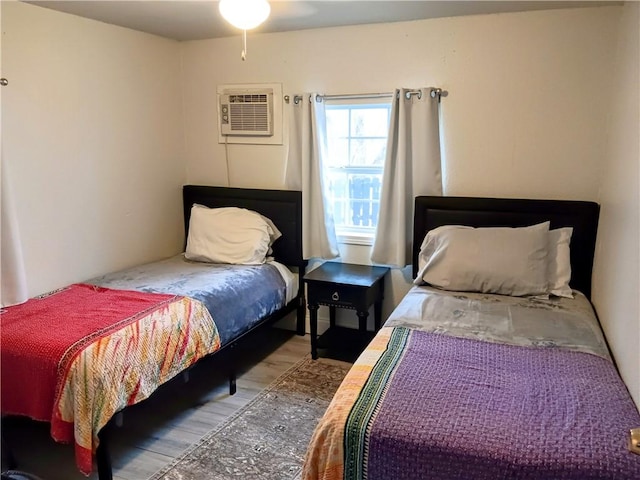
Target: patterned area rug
[266, 439]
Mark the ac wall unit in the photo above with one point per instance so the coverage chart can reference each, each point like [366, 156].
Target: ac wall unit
[247, 112]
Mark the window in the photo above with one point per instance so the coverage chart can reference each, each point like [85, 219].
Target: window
[356, 143]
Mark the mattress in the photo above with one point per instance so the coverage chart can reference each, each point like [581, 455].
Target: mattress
[237, 296]
[477, 386]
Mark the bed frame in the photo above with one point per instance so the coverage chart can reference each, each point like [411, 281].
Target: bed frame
[432, 212]
[284, 209]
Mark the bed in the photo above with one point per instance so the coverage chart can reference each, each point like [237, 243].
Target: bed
[463, 382]
[79, 355]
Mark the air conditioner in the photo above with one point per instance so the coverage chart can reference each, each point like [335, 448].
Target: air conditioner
[246, 112]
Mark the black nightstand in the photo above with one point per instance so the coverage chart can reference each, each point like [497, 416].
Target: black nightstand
[343, 285]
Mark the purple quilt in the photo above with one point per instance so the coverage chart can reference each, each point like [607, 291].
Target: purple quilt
[456, 408]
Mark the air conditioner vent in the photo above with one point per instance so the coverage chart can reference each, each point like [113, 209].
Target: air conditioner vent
[246, 113]
[249, 117]
[259, 98]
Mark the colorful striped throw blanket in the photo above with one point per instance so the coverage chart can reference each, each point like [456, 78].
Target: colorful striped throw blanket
[79, 355]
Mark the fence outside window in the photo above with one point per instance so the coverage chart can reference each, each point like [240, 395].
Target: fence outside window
[355, 196]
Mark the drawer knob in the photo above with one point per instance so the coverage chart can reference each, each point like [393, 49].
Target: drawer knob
[335, 297]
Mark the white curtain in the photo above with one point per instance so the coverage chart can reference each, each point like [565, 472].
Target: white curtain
[14, 284]
[412, 167]
[307, 147]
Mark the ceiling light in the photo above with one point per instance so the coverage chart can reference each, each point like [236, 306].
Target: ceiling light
[244, 14]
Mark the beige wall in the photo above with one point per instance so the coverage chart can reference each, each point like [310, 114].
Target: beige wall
[92, 133]
[616, 292]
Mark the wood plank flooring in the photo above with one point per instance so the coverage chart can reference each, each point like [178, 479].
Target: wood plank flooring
[176, 416]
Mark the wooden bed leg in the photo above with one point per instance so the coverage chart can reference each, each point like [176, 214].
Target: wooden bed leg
[301, 317]
[103, 459]
[302, 305]
[232, 384]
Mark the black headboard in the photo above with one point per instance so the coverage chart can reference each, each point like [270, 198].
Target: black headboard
[283, 207]
[432, 212]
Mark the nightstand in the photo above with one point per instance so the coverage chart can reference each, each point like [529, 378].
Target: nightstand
[343, 285]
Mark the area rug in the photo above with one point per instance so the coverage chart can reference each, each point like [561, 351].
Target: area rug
[267, 438]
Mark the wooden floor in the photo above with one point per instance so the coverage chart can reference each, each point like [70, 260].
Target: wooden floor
[176, 416]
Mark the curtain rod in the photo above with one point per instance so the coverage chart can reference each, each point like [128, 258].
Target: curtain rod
[435, 92]
[356, 96]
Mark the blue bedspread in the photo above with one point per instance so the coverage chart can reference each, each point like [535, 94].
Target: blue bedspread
[237, 296]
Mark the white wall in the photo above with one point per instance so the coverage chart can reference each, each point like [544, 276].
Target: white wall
[92, 133]
[525, 115]
[616, 286]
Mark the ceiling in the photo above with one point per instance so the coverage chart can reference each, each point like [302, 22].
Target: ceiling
[199, 19]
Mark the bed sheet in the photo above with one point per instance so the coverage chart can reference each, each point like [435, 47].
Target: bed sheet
[568, 323]
[458, 397]
[237, 296]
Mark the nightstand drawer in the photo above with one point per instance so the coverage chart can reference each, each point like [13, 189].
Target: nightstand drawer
[348, 296]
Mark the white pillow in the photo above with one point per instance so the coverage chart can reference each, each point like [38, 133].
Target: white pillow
[274, 233]
[229, 235]
[559, 263]
[503, 260]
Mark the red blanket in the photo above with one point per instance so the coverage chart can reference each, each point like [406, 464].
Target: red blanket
[41, 337]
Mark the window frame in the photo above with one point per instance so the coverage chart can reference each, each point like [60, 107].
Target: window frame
[356, 235]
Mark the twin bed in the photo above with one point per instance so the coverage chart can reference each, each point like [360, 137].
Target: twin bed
[464, 383]
[77, 356]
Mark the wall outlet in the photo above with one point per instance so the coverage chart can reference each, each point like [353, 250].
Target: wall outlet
[634, 440]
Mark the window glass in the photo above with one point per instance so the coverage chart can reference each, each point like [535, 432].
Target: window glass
[368, 152]
[369, 122]
[356, 146]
